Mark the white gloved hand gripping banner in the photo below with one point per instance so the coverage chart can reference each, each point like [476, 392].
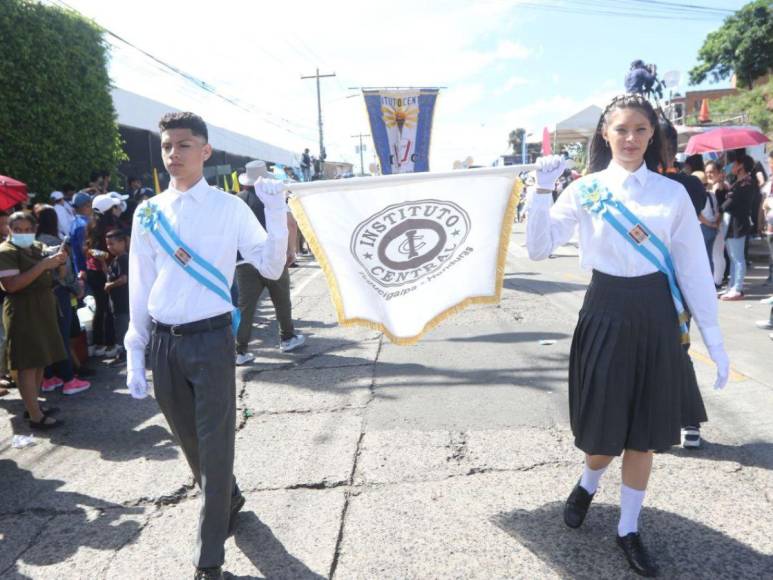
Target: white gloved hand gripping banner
[401, 253]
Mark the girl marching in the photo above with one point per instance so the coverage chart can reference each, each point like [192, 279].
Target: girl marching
[631, 383]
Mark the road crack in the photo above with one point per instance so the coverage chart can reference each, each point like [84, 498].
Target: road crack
[348, 494]
[31, 544]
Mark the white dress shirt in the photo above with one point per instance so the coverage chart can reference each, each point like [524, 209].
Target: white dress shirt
[662, 204]
[65, 215]
[215, 225]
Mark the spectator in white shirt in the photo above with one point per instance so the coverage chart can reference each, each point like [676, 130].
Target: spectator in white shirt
[188, 324]
[631, 382]
[65, 214]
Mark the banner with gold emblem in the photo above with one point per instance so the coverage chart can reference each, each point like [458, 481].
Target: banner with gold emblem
[403, 252]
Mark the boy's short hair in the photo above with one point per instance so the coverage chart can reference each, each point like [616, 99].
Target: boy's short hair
[185, 120]
[119, 235]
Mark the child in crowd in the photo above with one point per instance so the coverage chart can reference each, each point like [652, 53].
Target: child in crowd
[117, 286]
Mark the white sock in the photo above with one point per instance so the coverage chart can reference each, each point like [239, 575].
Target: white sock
[631, 501]
[590, 478]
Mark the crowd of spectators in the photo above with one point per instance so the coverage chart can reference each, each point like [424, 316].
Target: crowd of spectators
[65, 259]
[56, 259]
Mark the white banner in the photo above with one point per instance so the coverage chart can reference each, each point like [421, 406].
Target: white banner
[403, 252]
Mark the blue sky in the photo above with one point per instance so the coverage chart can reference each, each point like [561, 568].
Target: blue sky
[505, 64]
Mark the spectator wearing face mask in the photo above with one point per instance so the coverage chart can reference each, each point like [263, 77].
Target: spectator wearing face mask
[30, 313]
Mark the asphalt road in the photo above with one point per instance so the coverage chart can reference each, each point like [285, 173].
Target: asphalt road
[361, 459]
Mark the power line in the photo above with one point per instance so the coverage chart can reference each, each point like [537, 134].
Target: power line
[202, 85]
[578, 7]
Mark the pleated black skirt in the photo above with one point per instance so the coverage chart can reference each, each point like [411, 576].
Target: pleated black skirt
[631, 382]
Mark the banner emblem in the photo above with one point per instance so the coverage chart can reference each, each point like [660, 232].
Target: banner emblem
[405, 242]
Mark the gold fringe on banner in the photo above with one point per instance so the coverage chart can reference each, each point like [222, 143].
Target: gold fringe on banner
[335, 294]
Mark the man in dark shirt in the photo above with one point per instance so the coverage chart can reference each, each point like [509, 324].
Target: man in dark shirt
[306, 165]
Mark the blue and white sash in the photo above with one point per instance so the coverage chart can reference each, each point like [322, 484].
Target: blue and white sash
[154, 222]
[597, 199]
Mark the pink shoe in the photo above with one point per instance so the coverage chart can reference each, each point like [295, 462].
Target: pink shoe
[75, 386]
[51, 384]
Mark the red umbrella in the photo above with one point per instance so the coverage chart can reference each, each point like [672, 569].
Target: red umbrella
[723, 139]
[12, 192]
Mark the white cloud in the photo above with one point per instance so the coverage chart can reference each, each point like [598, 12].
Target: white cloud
[510, 84]
[509, 50]
[459, 98]
[259, 58]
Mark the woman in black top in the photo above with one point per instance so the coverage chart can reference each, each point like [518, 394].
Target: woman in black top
[738, 207]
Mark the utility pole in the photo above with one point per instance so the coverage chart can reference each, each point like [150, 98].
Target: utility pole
[318, 76]
[362, 161]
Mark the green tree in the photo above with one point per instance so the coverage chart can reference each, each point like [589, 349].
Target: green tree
[756, 104]
[515, 139]
[743, 45]
[57, 122]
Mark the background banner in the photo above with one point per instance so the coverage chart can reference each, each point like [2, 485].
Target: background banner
[401, 127]
[403, 252]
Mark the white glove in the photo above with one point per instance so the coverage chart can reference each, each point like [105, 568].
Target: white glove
[548, 170]
[135, 374]
[271, 192]
[138, 385]
[719, 356]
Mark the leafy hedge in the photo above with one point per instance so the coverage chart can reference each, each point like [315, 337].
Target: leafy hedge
[57, 122]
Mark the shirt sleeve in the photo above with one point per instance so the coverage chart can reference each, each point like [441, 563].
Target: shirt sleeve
[267, 251]
[76, 243]
[693, 272]
[550, 225]
[142, 275]
[9, 261]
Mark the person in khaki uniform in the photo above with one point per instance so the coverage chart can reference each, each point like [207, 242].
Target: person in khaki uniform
[29, 312]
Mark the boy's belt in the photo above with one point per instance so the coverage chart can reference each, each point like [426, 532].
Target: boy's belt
[214, 323]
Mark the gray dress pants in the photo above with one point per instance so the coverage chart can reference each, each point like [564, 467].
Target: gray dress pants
[194, 380]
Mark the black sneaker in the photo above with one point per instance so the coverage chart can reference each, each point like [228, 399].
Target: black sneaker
[577, 506]
[691, 437]
[637, 555]
[209, 574]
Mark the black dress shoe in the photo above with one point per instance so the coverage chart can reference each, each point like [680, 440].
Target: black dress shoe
[577, 506]
[236, 505]
[637, 555]
[208, 574]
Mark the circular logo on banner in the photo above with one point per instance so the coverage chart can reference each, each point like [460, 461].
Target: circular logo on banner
[407, 241]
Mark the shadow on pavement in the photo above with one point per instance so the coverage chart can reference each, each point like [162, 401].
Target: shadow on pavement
[512, 337]
[681, 547]
[78, 528]
[103, 420]
[256, 541]
[541, 287]
[756, 454]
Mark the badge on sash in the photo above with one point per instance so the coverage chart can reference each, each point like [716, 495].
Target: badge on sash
[182, 256]
[638, 234]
